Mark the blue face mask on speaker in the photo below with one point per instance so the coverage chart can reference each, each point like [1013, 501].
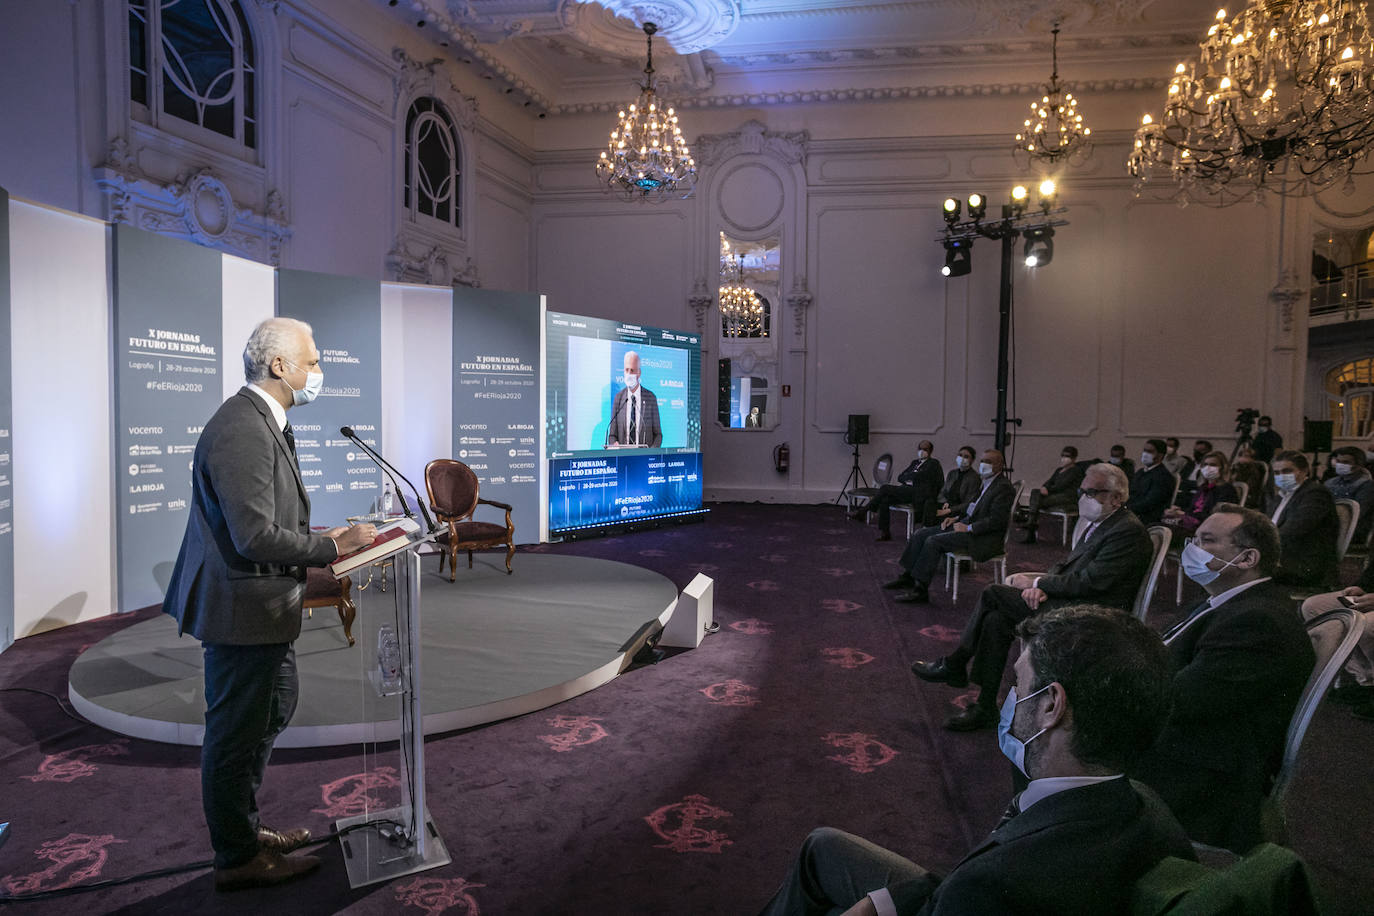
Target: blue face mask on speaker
[1013, 747]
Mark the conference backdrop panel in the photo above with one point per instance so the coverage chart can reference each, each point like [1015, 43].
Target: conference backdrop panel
[167, 358]
[346, 315]
[6, 450]
[497, 380]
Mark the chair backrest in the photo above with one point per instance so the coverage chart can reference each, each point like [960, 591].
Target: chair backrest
[1020, 486]
[1178, 482]
[1242, 491]
[1348, 513]
[882, 469]
[452, 488]
[1159, 537]
[1334, 636]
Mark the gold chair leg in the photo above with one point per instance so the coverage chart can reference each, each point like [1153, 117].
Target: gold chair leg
[510, 552]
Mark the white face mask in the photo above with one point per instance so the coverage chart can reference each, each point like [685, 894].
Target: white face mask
[1343, 468]
[1147, 458]
[1287, 483]
[1211, 471]
[1264, 429]
[1089, 508]
[1115, 460]
[314, 382]
[632, 380]
[984, 469]
[922, 454]
[1065, 460]
[961, 462]
[1013, 747]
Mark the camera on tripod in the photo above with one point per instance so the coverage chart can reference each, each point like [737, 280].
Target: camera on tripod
[1245, 418]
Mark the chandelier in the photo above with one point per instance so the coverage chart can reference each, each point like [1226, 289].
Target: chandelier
[1281, 99]
[1054, 133]
[741, 310]
[646, 156]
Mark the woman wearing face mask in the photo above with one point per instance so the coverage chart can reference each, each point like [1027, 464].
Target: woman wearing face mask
[1197, 505]
[962, 486]
[1350, 479]
[1305, 513]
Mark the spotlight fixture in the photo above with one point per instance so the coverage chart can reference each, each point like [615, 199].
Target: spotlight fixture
[1019, 196]
[958, 257]
[1049, 195]
[977, 206]
[1039, 249]
[951, 210]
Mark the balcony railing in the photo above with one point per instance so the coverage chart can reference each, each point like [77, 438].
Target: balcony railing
[1348, 297]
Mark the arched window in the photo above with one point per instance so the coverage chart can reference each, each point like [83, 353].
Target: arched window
[1350, 398]
[193, 60]
[432, 163]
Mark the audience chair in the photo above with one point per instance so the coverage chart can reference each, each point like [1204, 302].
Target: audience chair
[323, 590]
[1063, 515]
[999, 562]
[882, 474]
[452, 489]
[1242, 491]
[1160, 537]
[1348, 513]
[910, 511]
[1334, 636]
[1178, 581]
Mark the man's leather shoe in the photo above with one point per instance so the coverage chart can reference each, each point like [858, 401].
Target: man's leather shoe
[266, 869]
[282, 841]
[941, 671]
[916, 595]
[972, 719]
[901, 582]
[883, 536]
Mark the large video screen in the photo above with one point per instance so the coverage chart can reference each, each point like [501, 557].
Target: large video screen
[623, 422]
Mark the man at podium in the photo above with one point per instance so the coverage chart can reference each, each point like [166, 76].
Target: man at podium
[237, 586]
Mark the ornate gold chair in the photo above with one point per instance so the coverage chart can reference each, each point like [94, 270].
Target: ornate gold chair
[323, 590]
[452, 489]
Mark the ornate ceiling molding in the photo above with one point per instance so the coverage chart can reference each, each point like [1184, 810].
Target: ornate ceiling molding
[753, 138]
[415, 78]
[687, 26]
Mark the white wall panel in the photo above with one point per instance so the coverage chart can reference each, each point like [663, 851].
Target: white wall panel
[250, 294]
[64, 531]
[417, 393]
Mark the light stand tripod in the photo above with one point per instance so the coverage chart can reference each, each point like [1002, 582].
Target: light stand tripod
[856, 473]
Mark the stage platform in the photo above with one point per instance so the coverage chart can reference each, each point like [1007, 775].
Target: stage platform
[495, 646]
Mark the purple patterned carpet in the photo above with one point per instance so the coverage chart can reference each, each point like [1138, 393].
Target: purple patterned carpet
[684, 787]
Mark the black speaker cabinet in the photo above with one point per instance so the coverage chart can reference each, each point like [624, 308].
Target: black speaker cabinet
[1316, 435]
[857, 433]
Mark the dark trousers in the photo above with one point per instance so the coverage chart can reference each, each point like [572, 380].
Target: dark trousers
[835, 870]
[1039, 503]
[988, 636]
[250, 694]
[923, 552]
[890, 494]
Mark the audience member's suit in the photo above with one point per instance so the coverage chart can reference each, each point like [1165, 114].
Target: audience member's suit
[1152, 490]
[984, 539]
[918, 485]
[1266, 444]
[1127, 466]
[237, 586]
[962, 487]
[649, 433]
[1238, 673]
[1079, 851]
[1359, 486]
[1105, 567]
[1063, 486]
[1308, 528]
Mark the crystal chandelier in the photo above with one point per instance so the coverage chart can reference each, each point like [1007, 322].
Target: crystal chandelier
[741, 310]
[1281, 99]
[647, 156]
[1054, 133]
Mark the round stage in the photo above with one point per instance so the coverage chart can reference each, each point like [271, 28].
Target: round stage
[495, 646]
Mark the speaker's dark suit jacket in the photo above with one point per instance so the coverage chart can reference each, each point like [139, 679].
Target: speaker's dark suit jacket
[240, 575]
[650, 432]
[987, 525]
[1077, 851]
[1152, 490]
[1308, 529]
[1238, 672]
[1106, 567]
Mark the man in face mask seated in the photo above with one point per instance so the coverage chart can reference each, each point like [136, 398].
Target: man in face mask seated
[962, 486]
[1152, 487]
[1105, 567]
[1059, 492]
[1118, 458]
[980, 531]
[1240, 662]
[1305, 513]
[917, 485]
[1091, 692]
[1351, 480]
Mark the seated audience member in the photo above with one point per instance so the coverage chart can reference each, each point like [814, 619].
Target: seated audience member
[1267, 443]
[1179, 465]
[1357, 680]
[962, 486]
[1305, 512]
[980, 532]
[1240, 662]
[1152, 487]
[1118, 458]
[1091, 692]
[1247, 470]
[917, 485]
[1105, 566]
[1352, 481]
[1059, 492]
[1198, 504]
[1201, 449]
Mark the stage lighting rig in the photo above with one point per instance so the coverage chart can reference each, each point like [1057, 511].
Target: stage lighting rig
[1039, 249]
[951, 210]
[977, 207]
[958, 257]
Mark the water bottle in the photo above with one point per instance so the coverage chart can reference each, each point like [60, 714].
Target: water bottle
[386, 499]
[388, 659]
